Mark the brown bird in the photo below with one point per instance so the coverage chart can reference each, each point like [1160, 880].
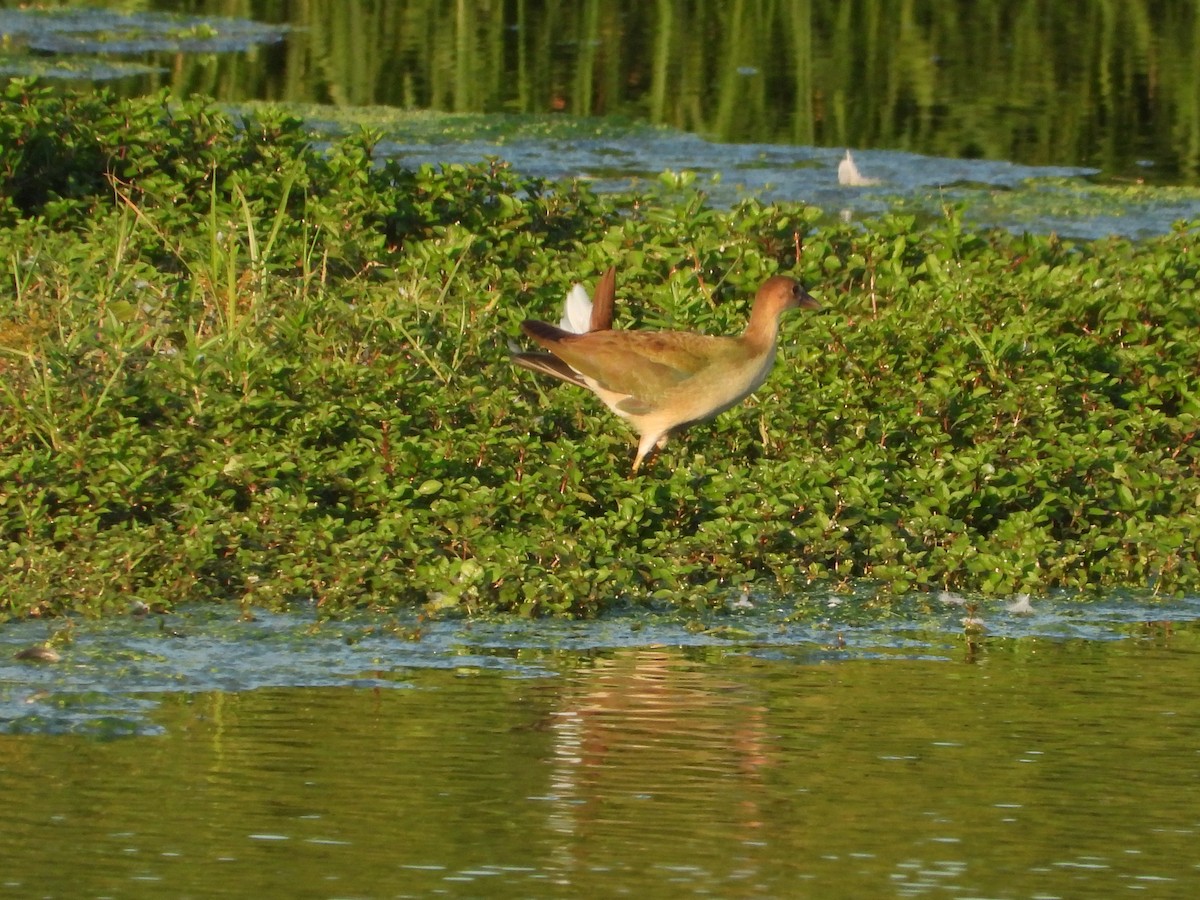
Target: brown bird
[663, 381]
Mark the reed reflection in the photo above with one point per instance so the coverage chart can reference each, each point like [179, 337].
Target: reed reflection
[652, 737]
[1039, 82]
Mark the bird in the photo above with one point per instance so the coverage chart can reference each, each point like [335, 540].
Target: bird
[663, 381]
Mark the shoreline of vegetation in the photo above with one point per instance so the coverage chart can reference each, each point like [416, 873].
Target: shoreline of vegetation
[237, 368]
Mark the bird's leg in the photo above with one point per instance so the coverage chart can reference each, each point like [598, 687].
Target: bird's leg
[648, 443]
[649, 449]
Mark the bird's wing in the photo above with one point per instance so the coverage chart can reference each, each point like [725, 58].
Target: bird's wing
[547, 364]
[643, 365]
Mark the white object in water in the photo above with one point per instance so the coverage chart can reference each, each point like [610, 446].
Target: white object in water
[849, 175]
[1020, 606]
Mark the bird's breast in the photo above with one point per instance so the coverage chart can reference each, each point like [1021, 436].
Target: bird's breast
[706, 394]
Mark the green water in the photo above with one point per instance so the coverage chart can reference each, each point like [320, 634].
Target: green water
[630, 757]
[1107, 85]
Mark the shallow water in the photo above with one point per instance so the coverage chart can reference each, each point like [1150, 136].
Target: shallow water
[754, 752]
[994, 193]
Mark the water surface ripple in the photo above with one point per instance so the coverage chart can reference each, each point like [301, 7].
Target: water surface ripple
[808, 748]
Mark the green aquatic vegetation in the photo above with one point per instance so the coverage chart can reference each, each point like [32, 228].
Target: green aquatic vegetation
[415, 126]
[1072, 200]
[241, 365]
